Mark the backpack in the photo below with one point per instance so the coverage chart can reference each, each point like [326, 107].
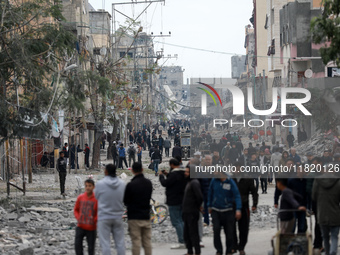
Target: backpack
[132, 151]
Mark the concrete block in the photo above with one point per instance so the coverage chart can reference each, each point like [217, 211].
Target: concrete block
[26, 251]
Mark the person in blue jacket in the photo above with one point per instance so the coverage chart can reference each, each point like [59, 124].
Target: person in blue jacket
[223, 196]
[122, 156]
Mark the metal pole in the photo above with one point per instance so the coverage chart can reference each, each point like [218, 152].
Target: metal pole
[22, 157]
[264, 102]
[29, 162]
[69, 142]
[75, 147]
[7, 166]
[144, 2]
[115, 31]
[56, 155]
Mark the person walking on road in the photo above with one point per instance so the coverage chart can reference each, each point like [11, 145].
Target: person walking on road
[132, 153]
[253, 162]
[110, 194]
[114, 153]
[191, 205]
[176, 151]
[223, 192]
[167, 146]
[290, 140]
[61, 168]
[233, 154]
[87, 155]
[160, 143]
[139, 153]
[66, 152]
[85, 211]
[289, 201]
[174, 183]
[293, 155]
[263, 161]
[137, 200]
[245, 186]
[326, 192]
[122, 156]
[156, 158]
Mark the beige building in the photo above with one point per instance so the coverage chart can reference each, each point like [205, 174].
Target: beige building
[100, 34]
[261, 48]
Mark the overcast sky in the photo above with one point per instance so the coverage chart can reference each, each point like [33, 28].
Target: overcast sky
[216, 25]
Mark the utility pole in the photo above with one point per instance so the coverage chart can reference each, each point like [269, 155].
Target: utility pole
[114, 18]
[264, 102]
[7, 167]
[29, 162]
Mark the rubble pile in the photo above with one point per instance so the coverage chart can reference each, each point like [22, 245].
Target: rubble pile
[316, 144]
[49, 228]
[264, 217]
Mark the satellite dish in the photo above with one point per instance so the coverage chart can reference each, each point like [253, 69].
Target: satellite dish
[309, 73]
[103, 51]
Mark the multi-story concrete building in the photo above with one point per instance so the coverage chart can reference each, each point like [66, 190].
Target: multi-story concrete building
[298, 53]
[100, 34]
[172, 76]
[300, 57]
[76, 13]
[249, 45]
[272, 25]
[238, 66]
[260, 33]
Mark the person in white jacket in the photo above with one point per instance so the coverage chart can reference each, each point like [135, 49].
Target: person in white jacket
[275, 159]
[110, 195]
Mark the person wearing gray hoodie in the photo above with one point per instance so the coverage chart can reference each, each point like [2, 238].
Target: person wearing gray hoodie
[326, 192]
[110, 194]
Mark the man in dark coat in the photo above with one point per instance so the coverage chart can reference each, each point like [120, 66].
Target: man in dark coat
[245, 186]
[191, 206]
[326, 194]
[137, 200]
[87, 155]
[61, 168]
[290, 140]
[176, 151]
[174, 183]
[233, 154]
[114, 153]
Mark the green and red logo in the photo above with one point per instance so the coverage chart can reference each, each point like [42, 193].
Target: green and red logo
[204, 97]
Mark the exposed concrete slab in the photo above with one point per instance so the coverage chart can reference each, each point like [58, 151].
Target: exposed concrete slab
[44, 209]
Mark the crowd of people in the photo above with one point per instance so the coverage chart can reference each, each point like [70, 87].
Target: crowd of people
[223, 202]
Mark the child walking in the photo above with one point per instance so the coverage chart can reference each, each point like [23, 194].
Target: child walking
[289, 202]
[85, 211]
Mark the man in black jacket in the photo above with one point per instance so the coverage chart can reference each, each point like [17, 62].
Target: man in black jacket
[176, 151]
[156, 158]
[174, 184]
[61, 168]
[251, 149]
[244, 158]
[263, 161]
[245, 186]
[233, 154]
[217, 160]
[114, 153]
[191, 205]
[66, 152]
[137, 200]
